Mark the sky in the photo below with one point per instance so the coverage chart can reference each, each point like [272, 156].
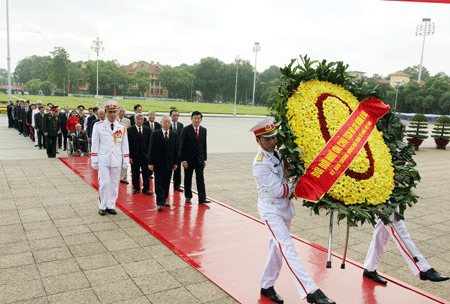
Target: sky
[372, 36]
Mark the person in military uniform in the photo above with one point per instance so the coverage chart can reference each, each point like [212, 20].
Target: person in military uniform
[109, 152]
[51, 129]
[277, 211]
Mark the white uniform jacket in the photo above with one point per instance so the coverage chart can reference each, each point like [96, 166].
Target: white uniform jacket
[109, 147]
[274, 190]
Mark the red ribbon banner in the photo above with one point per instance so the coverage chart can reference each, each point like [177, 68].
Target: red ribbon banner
[340, 150]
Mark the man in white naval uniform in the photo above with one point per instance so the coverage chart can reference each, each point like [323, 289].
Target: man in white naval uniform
[121, 118]
[381, 236]
[109, 154]
[277, 211]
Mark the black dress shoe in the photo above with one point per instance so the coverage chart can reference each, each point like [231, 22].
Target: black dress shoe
[373, 275]
[272, 295]
[150, 177]
[159, 208]
[165, 204]
[111, 211]
[188, 200]
[178, 189]
[318, 297]
[124, 182]
[432, 275]
[101, 212]
[148, 192]
[135, 191]
[204, 202]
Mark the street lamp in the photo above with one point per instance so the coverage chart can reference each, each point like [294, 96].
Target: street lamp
[97, 47]
[8, 56]
[237, 61]
[424, 29]
[397, 84]
[256, 49]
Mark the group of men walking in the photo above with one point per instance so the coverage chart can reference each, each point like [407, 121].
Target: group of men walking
[151, 148]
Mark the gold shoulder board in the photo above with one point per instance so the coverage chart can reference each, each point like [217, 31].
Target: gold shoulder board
[260, 156]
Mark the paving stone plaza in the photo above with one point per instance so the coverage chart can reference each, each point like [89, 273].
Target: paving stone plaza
[55, 248]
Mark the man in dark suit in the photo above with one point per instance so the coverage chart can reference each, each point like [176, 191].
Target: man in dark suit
[151, 123]
[38, 119]
[138, 145]
[178, 128]
[79, 138]
[193, 157]
[24, 119]
[81, 116]
[63, 116]
[91, 120]
[9, 109]
[163, 158]
[137, 110]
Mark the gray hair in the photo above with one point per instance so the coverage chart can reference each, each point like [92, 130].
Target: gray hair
[149, 112]
[137, 115]
[165, 118]
[121, 108]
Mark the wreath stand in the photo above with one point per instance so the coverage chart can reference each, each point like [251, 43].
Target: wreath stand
[344, 257]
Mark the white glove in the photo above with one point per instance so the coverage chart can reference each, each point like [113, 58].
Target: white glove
[95, 166]
[125, 166]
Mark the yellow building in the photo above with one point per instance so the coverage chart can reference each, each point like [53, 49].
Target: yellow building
[155, 89]
[399, 78]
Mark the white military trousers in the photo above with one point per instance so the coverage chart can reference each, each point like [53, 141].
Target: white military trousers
[123, 174]
[108, 186]
[381, 236]
[281, 247]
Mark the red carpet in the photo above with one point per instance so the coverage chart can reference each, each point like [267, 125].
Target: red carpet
[230, 248]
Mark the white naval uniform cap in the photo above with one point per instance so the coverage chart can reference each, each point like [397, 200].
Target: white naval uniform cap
[265, 128]
[110, 105]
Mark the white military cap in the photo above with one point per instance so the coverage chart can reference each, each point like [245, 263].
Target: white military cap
[265, 128]
[110, 105]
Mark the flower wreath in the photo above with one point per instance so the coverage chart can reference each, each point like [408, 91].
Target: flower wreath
[311, 105]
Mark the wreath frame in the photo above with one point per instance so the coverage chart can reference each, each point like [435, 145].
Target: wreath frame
[405, 175]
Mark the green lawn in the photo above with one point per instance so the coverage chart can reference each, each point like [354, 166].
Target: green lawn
[147, 105]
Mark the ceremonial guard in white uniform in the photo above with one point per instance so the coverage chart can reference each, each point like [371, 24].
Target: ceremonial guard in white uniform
[381, 236]
[277, 211]
[109, 154]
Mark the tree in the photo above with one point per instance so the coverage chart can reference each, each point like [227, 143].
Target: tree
[178, 82]
[110, 76]
[142, 79]
[273, 72]
[414, 72]
[444, 102]
[208, 74]
[77, 78]
[33, 86]
[59, 67]
[46, 87]
[32, 67]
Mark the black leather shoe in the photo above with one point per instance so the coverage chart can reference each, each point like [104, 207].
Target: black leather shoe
[188, 200]
[272, 295]
[101, 212]
[135, 191]
[150, 177]
[124, 182]
[178, 189]
[373, 275]
[432, 275]
[165, 204]
[204, 202]
[148, 192]
[318, 297]
[111, 211]
[159, 208]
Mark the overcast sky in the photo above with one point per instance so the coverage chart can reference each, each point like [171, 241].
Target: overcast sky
[373, 36]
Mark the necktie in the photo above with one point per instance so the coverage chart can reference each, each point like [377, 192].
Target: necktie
[140, 132]
[152, 126]
[112, 126]
[166, 138]
[175, 127]
[196, 132]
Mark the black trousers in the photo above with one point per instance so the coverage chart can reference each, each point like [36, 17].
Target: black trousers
[162, 184]
[177, 177]
[136, 167]
[51, 146]
[198, 178]
[20, 126]
[25, 129]
[10, 121]
[41, 137]
[80, 145]
[64, 135]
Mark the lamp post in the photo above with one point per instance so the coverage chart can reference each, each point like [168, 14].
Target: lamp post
[256, 49]
[424, 29]
[97, 47]
[8, 56]
[237, 61]
[397, 84]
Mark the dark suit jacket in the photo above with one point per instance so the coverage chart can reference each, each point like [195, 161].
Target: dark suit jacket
[179, 128]
[138, 145]
[29, 116]
[157, 125]
[91, 120]
[63, 121]
[38, 121]
[23, 115]
[81, 135]
[131, 118]
[193, 150]
[163, 156]
[82, 118]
